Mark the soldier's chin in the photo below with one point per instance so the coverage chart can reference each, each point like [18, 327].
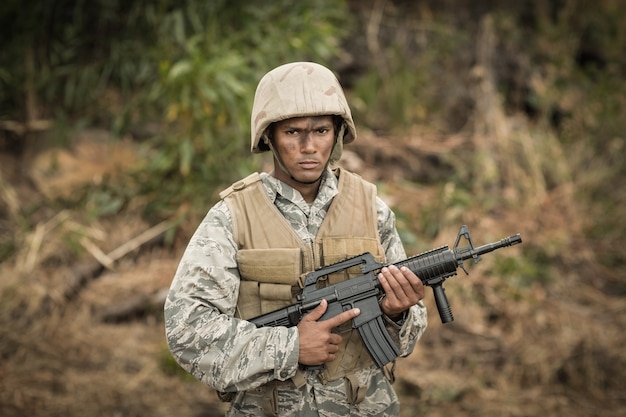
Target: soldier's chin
[308, 177]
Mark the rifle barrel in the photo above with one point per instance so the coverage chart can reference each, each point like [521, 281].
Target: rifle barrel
[490, 247]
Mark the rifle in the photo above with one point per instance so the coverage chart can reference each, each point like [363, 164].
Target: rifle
[433, 267]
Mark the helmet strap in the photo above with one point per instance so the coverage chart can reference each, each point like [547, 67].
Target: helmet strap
[335, 155]
[282, 166]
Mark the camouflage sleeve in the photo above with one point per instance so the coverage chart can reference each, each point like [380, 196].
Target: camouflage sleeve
[225, 353]
[414, 324]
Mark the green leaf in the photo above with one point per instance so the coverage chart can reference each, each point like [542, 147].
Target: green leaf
[179, 69]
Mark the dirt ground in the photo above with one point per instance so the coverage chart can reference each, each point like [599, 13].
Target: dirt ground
[83, 335]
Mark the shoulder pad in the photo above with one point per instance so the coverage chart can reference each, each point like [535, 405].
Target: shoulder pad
[240, 185]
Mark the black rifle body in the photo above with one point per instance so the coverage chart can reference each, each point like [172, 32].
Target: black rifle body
[432, 267]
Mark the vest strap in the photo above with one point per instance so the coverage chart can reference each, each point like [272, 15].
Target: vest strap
[270, 399]
[389, 371]
[355, 392]
[298, 379]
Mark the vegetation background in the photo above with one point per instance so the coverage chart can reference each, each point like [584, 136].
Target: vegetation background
[121, 121]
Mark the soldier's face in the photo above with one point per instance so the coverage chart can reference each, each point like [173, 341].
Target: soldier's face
[304, 145]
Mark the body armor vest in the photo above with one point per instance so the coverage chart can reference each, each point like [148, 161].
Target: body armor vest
[272, 258]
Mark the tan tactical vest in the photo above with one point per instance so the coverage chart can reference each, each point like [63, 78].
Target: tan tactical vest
[272, 258]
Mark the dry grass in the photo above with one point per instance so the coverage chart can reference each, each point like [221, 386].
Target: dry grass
[521, 345]
[60, 358]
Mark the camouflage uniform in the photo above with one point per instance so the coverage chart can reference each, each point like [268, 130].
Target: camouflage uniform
[231, 354]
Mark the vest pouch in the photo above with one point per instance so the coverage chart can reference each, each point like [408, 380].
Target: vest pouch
[267, 278]
[274, 266]
[256, 298]
[352, 355]
[248, 303]
[275, 296]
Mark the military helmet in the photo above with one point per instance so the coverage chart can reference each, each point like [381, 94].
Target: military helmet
[298, 89]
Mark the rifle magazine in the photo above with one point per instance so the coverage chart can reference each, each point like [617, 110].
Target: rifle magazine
[378, 342]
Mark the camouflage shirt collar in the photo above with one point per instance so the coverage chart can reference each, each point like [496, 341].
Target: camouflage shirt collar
[328, 189]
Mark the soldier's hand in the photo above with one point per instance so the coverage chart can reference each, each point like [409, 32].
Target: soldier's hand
[403, 289]
[318, 344]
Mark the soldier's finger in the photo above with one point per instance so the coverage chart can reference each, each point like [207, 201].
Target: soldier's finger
[342, 318]
[391, 279]
[317, 312]
[416, 283]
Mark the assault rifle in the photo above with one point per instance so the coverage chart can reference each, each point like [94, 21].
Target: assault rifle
[433, 267]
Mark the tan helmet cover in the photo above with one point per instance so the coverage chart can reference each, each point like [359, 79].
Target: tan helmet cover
[298, 89]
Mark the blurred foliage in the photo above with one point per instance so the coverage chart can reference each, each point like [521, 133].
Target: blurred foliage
[522, 272]
[213, 54]
[539, 86]
[179, 78]
[79, 60]
[181, 74]
[564, 66]
[411, 54]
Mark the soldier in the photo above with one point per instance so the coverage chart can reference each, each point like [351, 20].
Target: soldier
[248, 254]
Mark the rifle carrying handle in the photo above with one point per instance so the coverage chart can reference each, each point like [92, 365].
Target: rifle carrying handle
[442, 304]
